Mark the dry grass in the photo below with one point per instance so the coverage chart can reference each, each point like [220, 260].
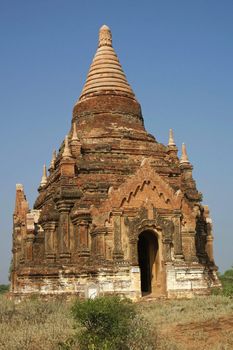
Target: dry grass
[184, 311]
[34, 325]
[205, 323]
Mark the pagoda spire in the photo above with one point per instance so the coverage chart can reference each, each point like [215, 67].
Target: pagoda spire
[184, 157]
[106, 73]
[171, 141]
[66, 152]
[44, 177]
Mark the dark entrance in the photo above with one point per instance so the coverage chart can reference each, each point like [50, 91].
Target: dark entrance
[147, 252]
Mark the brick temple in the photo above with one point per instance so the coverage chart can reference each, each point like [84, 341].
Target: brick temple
[117, 212]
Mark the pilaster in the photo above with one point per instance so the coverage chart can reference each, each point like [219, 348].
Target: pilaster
[81, 220]
[50, 232]
[209, 248]
[178, 251]
[29, 246]
[64, 230]
[189, 245]
[117, 252]
[134, 251]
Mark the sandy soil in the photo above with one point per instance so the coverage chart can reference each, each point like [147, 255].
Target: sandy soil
[211, 334]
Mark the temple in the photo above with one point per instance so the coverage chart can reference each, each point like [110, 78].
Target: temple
[117, 212]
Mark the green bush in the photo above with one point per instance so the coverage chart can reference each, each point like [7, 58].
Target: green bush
[4, 288]
[227, 284]
[108, 323]
[229, 274]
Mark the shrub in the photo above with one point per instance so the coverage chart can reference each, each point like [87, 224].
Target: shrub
[229, 273]
[4, 288]
[227, 284]
[108, 324]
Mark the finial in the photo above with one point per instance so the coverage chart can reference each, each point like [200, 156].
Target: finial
[44, 177]
[171, 141]
[19, 187]
[66, 153]
[184, 157]
[74, 135]
[53, 160]
[105, 36]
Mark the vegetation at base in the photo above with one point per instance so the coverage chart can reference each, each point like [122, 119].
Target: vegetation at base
[34, 324]
[4, 288]
[55, 325]
[111, 323]
[227, 284]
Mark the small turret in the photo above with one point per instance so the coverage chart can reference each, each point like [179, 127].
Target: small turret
[75, 143]
[53, 160]
[67, 164]
[74, 134]
[21, 204]
[44, 177]
[171, 147]
[171, 141]
[66, 152]
[184, 157]
[187, 181]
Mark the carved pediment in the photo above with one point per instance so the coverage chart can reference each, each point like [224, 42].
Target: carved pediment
[145, 187]
[149, 192]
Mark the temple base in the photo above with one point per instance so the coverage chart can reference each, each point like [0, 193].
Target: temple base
[181, 282]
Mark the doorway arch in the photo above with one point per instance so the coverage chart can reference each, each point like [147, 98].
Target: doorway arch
[148, 259]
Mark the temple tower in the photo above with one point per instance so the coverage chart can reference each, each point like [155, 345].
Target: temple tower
[117, 212]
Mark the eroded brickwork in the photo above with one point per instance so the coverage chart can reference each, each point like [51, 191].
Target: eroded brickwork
[118, 212]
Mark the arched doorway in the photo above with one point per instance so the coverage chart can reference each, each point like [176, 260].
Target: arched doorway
[148, 261]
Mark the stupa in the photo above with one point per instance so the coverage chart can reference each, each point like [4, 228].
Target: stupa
[118, 212]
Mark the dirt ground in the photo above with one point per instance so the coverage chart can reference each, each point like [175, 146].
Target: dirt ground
[211, 334]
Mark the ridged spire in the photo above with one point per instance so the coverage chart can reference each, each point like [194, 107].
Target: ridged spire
[66, 152]
[44, 177]
[184, 157]
[106, 73]
[171, 141]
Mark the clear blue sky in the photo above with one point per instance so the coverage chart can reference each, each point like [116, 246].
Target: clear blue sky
[177, 56]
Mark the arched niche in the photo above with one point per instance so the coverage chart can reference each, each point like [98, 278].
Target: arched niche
[149, 261]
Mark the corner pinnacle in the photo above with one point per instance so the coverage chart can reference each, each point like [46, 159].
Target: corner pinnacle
[44, 177]
[74, 134]
[53, 160]
[171, 141]
[66, 153]
[184, 157]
